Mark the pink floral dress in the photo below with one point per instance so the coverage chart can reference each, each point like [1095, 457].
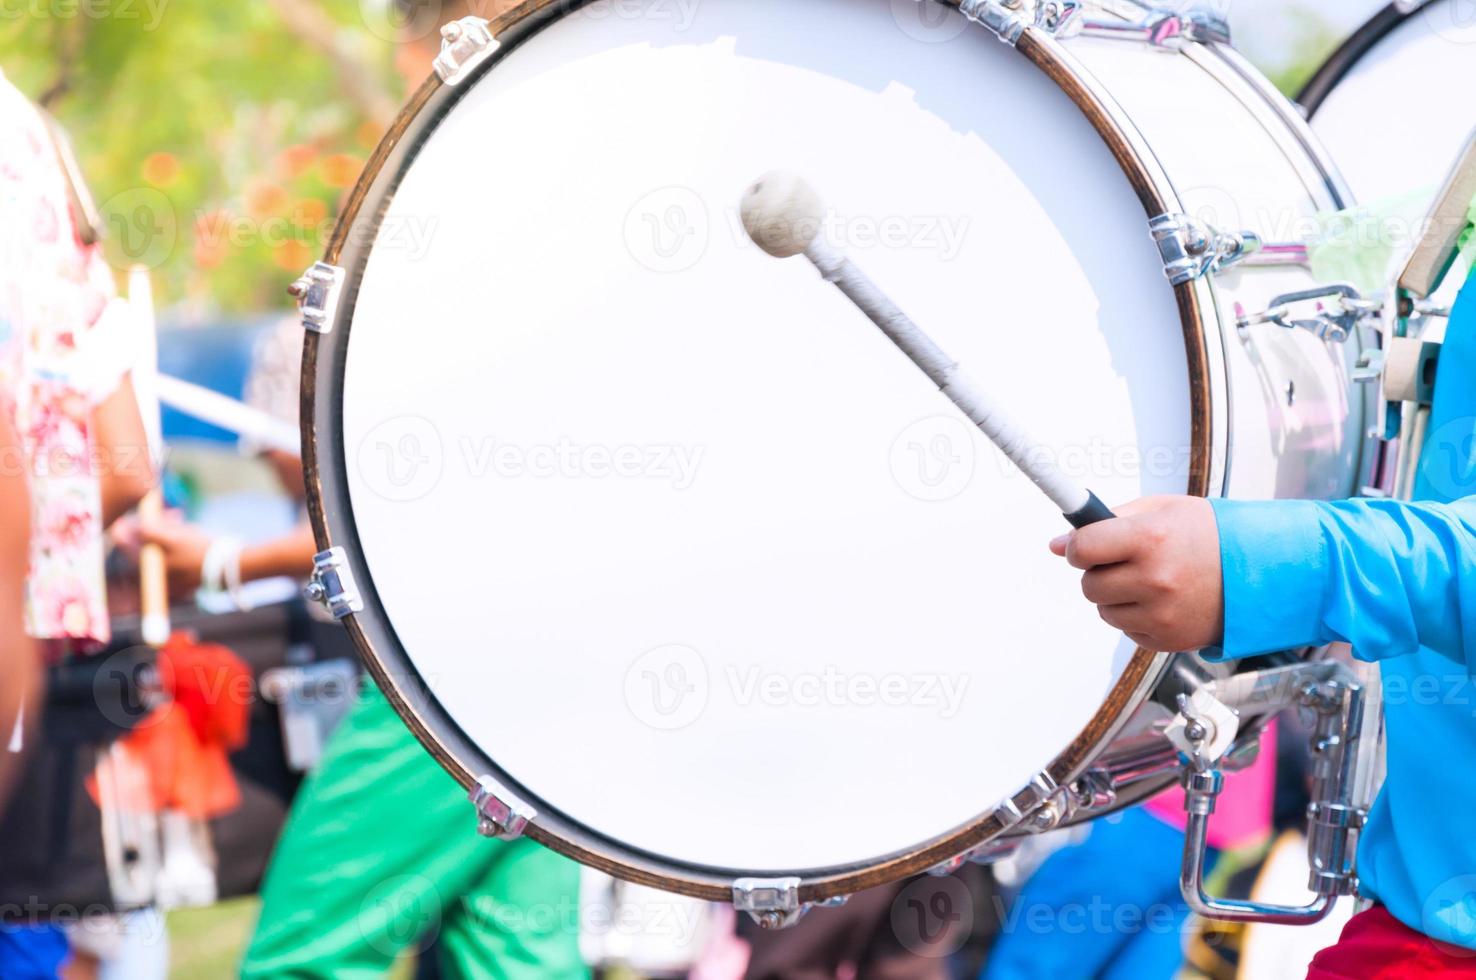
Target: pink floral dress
[63, 349]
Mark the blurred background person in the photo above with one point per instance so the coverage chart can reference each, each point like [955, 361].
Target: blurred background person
[18, 667]
[378, 804]
[66, 349]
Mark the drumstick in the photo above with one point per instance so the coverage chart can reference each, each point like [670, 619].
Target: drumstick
[782, 214]
[153, 584]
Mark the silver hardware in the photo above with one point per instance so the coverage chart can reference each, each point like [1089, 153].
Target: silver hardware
[772, 902]
[1185, 245]
[1005, 22]
[333, 584]
[1250, 249]
[1369, 366]
[1336, 323]
[1205, 727]
[311, 700]
[1095, 790]
[1334, 695]
[317, 295]
[1191, 249]
[1162, 27]
[1048, 816]
[1060, 18]
[995, 850]
[500, 812]
[946, 868]
[465, 44]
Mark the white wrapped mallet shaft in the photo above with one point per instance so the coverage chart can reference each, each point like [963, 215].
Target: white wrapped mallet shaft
[783, 215]
[153, 582]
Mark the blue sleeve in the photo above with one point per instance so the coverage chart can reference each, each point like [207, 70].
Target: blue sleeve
[1385, 576]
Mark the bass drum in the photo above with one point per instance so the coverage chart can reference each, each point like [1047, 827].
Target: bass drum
[1392, 104]
[661, 549]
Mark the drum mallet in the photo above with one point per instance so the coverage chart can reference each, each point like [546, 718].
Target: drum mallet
[783, 215]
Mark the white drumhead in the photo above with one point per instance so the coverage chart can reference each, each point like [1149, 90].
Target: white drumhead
[1397, 121]
[667, 527]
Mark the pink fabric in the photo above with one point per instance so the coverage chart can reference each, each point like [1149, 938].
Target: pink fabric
[63, 350]
[726, 955]
[1243, 812]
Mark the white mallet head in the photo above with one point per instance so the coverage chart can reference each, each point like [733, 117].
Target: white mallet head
[781, 213]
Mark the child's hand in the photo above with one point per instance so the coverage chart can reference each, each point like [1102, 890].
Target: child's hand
[1154, 572]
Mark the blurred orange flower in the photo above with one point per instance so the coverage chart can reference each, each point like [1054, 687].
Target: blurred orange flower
[368, 134]
[340, 169]
[161, 169]
[310, 212]
[295, 161]
[292, 255]
[264, 198]
[212, 238]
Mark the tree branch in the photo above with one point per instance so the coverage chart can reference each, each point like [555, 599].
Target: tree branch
[315, 28]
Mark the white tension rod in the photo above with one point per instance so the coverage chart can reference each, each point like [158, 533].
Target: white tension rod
[783, 215]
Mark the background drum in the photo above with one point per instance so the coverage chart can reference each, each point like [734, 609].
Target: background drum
[1388, 104]
[698, 580]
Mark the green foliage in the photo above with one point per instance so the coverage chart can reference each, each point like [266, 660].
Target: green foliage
[1316, 40]
[216, 140]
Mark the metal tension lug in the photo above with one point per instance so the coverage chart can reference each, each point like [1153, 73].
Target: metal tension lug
[500, 812]
[1002, 19]
[1186, 247]
[332, 584]
[317, 294]
[465, 44]
[771, 902]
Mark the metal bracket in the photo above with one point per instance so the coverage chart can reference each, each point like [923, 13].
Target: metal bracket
[1327, 324]
[1008, 19]
[1062, 19]
[333, 584]
[1334, 818]
[465, 44]
[1204, 729]
[500, 812]
[772, 902]
[1162, 27]
[1005, 21]
[1186, 246]
[317, 292]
